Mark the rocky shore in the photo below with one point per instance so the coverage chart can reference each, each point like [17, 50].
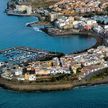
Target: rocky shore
[33, 86]
[47, 86]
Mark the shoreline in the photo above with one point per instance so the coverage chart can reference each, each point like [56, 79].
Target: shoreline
[56, 86]
[11, 13]
[99, 40]
[53, 86]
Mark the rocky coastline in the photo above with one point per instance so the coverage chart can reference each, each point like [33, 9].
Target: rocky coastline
[47, 86]
[29, 86]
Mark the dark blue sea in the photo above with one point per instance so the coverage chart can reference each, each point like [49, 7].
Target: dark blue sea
[14, 33]
[88, 97]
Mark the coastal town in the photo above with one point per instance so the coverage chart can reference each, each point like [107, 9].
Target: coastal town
[65, 17]
[83, 65]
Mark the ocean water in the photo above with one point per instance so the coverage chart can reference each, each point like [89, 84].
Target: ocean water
[13, 32]
[88, 97]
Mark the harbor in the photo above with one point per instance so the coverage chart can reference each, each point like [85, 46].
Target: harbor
[24, 54]
[23, 45]
[36, 39]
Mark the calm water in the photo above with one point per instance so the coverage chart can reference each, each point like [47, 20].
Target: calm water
[14, 33]
[90, 97]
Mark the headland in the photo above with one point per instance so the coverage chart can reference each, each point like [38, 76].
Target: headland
[28, 69]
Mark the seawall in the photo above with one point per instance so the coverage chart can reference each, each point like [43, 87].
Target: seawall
[49, 86]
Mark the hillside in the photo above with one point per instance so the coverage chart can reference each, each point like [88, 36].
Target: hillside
[42, 3]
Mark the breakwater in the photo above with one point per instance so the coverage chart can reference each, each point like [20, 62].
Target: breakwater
[47, 86]
[35, 23]
[12, 13]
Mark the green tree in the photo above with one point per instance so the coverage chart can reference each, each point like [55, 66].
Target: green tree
[53, 79]
[106, 9]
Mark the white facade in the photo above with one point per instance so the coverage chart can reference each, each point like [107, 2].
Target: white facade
[98, 29]
[106, 27]
[22, 8]
[32, 78]
[91, 22]
[18, 72]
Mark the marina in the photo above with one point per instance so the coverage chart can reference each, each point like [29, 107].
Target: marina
[24, 54]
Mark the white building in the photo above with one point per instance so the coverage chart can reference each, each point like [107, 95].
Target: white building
[53, 16]
[106, 27]
[91, 22]
[32, 77]
[22, 8]
[64, 22]
[18, 72]
[98, 29]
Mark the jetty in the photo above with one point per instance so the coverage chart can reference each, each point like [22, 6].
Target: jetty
[31, 23]
[38, 23]
[12, 13]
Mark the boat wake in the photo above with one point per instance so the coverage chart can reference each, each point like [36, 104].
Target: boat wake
[37, 29]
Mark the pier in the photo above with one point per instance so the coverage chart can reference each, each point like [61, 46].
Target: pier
[38, 23]
[12, 13]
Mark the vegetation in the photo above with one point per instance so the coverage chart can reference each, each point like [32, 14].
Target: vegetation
[106, 9]
[42, 3]
[102, 75]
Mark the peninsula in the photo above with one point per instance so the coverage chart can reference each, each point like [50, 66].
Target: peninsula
[29, 69]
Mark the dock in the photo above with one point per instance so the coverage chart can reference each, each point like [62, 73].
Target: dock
[37, 23]
[20, 55]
